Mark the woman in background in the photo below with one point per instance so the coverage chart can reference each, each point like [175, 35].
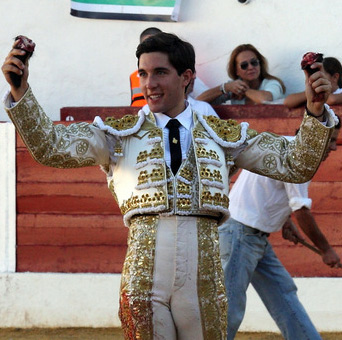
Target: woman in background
[251, 83]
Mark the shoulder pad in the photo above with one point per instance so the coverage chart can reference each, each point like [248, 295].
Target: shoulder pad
[228, 133]
[125, 126]
[228, 130]
[125, 123]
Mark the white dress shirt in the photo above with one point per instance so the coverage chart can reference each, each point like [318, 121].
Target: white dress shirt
[185, 118]
[264, 203]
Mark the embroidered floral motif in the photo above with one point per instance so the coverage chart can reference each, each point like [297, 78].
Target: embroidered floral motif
[137, 279]
[57, 146]
[211, 291]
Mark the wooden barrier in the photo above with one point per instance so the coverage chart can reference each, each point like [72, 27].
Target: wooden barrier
[67, 220]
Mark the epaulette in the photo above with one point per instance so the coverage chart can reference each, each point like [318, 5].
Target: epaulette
[228, 133]
[125, 126]
[125, 123]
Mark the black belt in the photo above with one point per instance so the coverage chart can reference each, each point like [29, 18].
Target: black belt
[256, 231]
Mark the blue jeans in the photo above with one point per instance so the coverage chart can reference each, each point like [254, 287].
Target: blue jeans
[247, 257]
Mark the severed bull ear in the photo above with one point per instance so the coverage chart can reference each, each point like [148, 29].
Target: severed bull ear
[28, 46]
[308, 59]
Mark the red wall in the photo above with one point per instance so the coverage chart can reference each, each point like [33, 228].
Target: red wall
[67, 220]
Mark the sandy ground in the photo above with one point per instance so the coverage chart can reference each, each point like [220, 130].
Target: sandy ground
[113, 334]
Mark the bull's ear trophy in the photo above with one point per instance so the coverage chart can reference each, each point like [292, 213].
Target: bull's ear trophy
[28, 46]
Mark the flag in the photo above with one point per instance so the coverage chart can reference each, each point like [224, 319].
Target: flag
[147, 10]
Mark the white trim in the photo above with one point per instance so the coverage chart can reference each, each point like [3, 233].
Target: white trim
[219, 140]
[121, 133]
[49, 300]
[92, 300]
[7, 198]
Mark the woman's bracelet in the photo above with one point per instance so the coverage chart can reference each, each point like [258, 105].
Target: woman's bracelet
[223, 90]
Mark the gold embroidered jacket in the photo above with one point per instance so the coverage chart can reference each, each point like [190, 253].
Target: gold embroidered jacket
[131, 152]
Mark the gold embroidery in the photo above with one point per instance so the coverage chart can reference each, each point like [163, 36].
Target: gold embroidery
[184, 204]
[187, 173]
[155, 133]
[199, 134]
[58, 145]
[145, 201]
[156, 175]
[251, 133]
[201, 152]
[292, 161]
[217, 199]
[183, 188]
[228, 130]
[124, 123]
[137, 279]
[142, 157]
[155, 153]
[205, 173]
[211, 291]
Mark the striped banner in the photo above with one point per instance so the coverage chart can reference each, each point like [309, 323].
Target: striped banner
[147, 10]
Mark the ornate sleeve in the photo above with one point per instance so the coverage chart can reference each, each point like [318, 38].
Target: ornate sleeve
[289, 161]
[57, 145]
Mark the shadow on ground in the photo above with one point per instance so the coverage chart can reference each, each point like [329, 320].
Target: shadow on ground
[113, 334]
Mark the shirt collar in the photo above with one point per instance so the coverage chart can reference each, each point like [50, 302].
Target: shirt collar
[185, 118]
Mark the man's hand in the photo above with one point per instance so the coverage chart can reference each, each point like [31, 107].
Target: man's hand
[15, 65]
[331, 259]
[290, 232]
[317, 83]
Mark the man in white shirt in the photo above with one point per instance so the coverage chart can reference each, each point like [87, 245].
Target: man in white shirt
[168, 171]
[259, 206]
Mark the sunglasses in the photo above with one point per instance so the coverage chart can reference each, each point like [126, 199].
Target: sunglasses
[253, 62]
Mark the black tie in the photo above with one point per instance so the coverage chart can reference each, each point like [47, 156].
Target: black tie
[175, 147]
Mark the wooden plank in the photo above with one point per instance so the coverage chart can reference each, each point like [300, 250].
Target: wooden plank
[302, 262]
[70, 220]
[65, 198]
[331, 169]
[71, 236]
[71, 230]
[329, 224]
[28, 170]
[326, 196]
[82, 259]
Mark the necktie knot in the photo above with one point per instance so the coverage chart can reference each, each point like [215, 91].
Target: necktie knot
[173, 124]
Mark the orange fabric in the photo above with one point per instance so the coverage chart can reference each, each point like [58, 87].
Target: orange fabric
[137, 98]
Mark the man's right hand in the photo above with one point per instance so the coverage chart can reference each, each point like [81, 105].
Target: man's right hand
[331, 259]
[15, 65]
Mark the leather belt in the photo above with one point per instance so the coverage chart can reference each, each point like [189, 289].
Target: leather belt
[257, 231]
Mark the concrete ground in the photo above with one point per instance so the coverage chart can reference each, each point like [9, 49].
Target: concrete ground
[113, 334]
